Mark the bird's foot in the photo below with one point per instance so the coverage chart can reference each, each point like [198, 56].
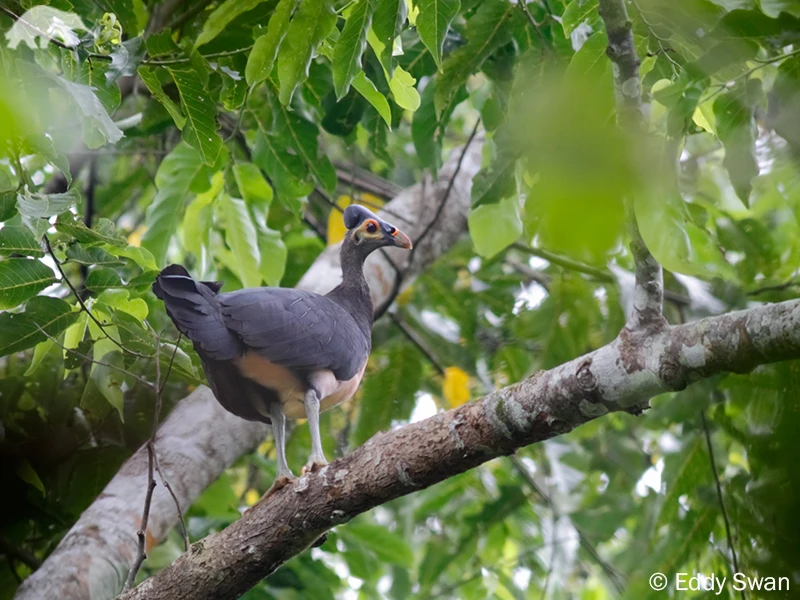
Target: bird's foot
[281, 481]
[314, 464]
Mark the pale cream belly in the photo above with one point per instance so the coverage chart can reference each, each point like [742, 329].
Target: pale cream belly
[291, 390]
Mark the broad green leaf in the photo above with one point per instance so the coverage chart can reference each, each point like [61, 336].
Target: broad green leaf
[300, 135]
[390, 15]
[493, 183]
[351, 45]
[179, 175]
[150, 79]
[106, 377]
[273, 256]
[577, 12]
[287, 172]
[433, 22]
[21, 279]
[684, 472]
[252, 186]
[93, 112]
[386, 545]
[197, 221]
[737, 131]
[119, 299]
[200, 129]
[39, 353]
[221, 16]
[399, 379]
[428, 129]
[494, 227]
[75, 332]
[490, 27]
[240, 235]
[28, 474]
[367, 89]
[102, 278]
[141, 256]
[19, 240]
[43, 145]
[19, 331]
[403, 90]
[265, 50]
[103, 232]
[590, 65]
[161, 43]
[90, 256]
[311, 24]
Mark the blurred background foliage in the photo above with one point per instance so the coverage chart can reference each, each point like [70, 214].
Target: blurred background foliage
[229, 135]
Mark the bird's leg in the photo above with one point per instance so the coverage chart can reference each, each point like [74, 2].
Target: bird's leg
[317, 458]
[285, 475]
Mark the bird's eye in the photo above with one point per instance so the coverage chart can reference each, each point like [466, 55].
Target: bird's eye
[391, 230]
[371, 227]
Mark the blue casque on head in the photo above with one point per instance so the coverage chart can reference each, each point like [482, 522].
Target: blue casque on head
[354, 215]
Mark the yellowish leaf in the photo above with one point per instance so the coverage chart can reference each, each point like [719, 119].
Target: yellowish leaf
[251, 497]
[456, 386]
[336, 228]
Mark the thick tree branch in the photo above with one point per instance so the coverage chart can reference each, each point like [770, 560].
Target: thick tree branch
[199, 439]
[621, 376]
[649, 294]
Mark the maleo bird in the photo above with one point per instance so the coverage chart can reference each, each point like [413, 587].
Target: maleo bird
[270, 353]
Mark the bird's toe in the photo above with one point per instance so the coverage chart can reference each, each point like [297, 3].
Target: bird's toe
[314, 464]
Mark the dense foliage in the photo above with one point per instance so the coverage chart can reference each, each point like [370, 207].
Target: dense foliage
[227, 136]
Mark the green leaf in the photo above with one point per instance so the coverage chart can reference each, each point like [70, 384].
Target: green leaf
[153, 84]
[120, 300]
[161, 43]
[428, 129]
[577, 12]
[200, 129]
[106, 377]
[493, 183]
[40, 144]
[252, 185]
[399, 379]
[21, 279]
[19, 240]
[433, 22]
[240, 235]
[494, 227]
[103, 232]
[292, 131]
[90, 256]
[287, 172]
[19, 331]
[387, 546]
[737, 132]
[273, 256]
[75, 332]
[390, 15]
[180, 173]
[351, 45]
[367, 89]
[141, 256]
[101, 279]
[222, 16]
[39, 353]
[684, 472]
[490, 27]
[403, 90]
[28, 474]
[265, 50]
[197, 221]
[311, 24]
[93, 111]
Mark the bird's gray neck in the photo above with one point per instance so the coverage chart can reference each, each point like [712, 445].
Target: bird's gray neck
[353, 293]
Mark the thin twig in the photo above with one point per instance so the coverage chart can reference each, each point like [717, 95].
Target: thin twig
[398, 280]
[141, 380]
[719, 495]
[616, 578]
[78, 297]
[177, 61]
[142, 533]
[24, 556]
[412, 336]
[165, 482]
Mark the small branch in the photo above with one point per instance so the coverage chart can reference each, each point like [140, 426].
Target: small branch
[715, 473]
[567, 263]
[398, 282]
[617, 579]
[412, 336]
[177, 61]
[165, 482]
[649, 293]
[85, 308]
[142, 533]
[20, 554]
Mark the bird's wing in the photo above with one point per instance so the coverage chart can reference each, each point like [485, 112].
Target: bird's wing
[296, 329]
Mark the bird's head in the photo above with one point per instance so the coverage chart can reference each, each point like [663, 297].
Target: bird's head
[368, 232]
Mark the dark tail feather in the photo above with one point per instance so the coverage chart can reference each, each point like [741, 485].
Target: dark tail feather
[193, 307]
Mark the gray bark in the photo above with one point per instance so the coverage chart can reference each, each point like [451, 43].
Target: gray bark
[621, 376]
[200, 439]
